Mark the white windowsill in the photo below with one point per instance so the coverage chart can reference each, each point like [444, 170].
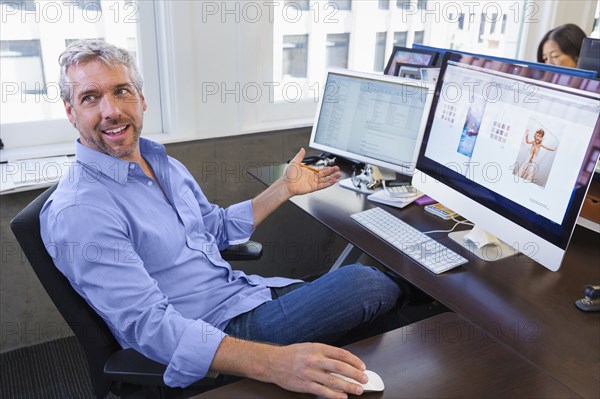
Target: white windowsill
[54, 150]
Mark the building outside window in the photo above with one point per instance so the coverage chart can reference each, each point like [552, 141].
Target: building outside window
[344, 36]
[400, 39]
[403, 4]
[303, 5]
[384, 4]
[338, 45]
[295, 56]
[342, 5]
[21, 63]
[419, 37]
[379, 62]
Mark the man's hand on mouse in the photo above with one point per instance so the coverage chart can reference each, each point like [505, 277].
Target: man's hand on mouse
[307, 367]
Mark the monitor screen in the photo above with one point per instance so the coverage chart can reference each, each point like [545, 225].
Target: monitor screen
[375, 119]
[589, 57]
[514, 155]
[539, 68]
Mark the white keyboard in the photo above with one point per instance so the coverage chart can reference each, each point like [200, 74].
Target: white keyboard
[434, 256]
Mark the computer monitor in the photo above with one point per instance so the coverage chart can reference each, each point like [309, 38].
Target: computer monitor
[374, 119]
[535, 66]
[589, 56]
[404, 56]
[512, 154]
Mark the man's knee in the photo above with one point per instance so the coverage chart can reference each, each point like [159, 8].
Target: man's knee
[373, 282]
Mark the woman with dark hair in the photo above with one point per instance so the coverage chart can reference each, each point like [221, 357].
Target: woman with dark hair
[561, 46]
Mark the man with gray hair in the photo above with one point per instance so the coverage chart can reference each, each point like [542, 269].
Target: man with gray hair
[139, 241]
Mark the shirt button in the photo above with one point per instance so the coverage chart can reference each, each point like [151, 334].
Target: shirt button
[131, 166]
[149, 183]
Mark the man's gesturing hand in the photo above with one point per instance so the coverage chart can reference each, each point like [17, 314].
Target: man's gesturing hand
[302, 180]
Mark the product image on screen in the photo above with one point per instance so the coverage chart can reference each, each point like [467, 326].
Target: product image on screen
[512, 154]
[374, 119]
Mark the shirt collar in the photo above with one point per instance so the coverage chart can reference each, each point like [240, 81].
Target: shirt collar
[115, 168]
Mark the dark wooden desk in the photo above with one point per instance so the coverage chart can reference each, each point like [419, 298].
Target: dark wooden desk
[441, 357]
[521, 303]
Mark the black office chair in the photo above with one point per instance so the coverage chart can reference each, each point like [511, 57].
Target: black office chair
[125, 372]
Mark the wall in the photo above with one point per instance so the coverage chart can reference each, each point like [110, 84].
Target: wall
[295, 245]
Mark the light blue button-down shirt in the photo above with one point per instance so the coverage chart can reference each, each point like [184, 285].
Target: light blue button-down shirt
[146, 257]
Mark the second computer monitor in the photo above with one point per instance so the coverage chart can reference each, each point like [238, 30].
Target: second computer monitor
[373, 119]
[511, 153]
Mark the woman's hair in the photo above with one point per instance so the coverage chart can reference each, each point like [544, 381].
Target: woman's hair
[541, 132]
[87, 50]
[568, 37]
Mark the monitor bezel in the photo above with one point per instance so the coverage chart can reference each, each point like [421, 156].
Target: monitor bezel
[502, 217]
[406, 169]
[432, 61]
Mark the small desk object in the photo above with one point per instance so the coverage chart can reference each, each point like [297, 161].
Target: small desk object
[441, 357]
[516, 301]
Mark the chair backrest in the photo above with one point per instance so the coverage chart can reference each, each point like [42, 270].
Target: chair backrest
[92, 333]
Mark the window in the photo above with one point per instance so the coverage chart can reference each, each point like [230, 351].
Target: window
[360, 38]
[380, 40]
[299, 4]
[295, 56]
[21, 61]
[384, 4]
[31, 107]
[481, 28]
[461, 21]
[400, 39]
[493, 21]
[596, 30]
[419, 37]
[338, 45]
[89, 5]
[341, 5]
[24, 5]
[403, 4]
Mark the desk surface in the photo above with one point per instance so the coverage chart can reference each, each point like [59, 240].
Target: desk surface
[519, 302]
[441, 357]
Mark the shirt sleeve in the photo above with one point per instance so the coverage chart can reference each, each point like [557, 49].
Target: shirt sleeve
[229, 226]
[92, 249]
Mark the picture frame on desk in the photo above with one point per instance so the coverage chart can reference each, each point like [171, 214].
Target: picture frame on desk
[410, 57]
[408, 71]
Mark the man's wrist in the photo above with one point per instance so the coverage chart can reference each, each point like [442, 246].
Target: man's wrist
[282, 189]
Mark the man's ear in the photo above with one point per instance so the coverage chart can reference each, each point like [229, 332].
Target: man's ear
[69, 111]
[143, 99]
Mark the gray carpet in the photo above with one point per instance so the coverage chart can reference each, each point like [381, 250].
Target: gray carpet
[52, 370]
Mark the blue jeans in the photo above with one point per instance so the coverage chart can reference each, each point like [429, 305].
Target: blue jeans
[324, 310]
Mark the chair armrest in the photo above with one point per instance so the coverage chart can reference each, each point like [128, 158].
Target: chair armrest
[250, 250]
[131, 367]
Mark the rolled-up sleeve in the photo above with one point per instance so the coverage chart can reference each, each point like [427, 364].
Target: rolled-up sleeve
[231, 225]
[90, 247]
[239, 220]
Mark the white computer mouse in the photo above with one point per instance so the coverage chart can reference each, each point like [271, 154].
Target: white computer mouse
[375, 383]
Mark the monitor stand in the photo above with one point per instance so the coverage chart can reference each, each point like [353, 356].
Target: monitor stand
[347, 183]
[485, 246]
